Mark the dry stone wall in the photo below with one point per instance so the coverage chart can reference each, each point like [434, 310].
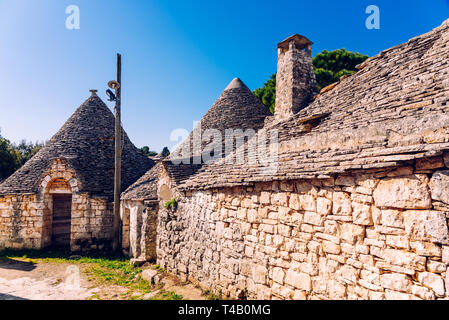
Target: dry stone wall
[371, 235]
[21, 222]
[92, 223]
[139, 222]
[25, 222]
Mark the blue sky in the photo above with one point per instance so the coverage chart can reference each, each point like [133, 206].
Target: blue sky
[178, 56]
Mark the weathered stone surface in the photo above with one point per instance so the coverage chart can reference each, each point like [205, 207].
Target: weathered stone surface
[303, 250]
[149, 275]
[445, 254]
[436, 267]
[295, 79]
[294, 201]
[298, 280]
[323, 206]
[347, 181]
[361, 214]
[446, 159]
[424, 248]
[392, 218]
[265, 197]
[395, 295]
[299, 295]
[423, 292]
[307, 202]
[407, 193]
[260, 274]
[426, 225]
[401, 242]
[331, 247]
[404, 259]
[351, 232]
[313, 218]
[395, 281]
[439, 186]
[341, 204]
[278, 275]
[432, 281]
[429, 163]
[337, 290]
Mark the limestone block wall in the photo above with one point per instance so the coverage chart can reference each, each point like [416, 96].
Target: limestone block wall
[371, 235]
[92, 223]
[149, 229]
[25, 222]
[21, 221]
[139, 222]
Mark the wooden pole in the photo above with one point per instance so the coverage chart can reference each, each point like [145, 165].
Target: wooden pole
[118, 157]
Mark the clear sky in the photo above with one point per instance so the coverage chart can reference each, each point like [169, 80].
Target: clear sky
[178, 56]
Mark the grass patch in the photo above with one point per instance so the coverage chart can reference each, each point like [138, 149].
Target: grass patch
[171, 204]
[159, 268]
[166, 295]
[212, 296]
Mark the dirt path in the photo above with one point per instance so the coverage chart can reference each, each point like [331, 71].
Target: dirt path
[46, 281]
[65, 281]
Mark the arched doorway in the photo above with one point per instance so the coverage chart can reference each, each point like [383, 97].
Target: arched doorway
[60, 192]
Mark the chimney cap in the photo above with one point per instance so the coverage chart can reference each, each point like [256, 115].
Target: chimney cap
[93, 91]
[300, 41]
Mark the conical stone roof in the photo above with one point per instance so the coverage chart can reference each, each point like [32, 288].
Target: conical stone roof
[236, 108]
[86, 142]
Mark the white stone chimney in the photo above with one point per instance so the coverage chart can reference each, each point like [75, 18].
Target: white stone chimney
[295, 79]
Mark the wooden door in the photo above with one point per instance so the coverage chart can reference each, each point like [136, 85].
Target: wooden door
[62, 214]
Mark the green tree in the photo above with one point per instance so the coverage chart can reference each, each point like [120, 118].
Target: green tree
[267, 94]
[9, 159]
[146, 151]
[165, 152]
[329, 67]
[12, 156]
[27, 150]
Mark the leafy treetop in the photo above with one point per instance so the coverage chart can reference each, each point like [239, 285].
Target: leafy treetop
[329, 67]
[165, 152]
[13, 156]
[146, 151]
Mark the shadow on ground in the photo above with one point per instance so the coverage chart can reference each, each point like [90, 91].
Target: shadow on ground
[4, 296]
[8, 263]
[57, 253]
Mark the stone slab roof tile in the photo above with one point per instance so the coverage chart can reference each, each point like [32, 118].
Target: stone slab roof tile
[145, 188]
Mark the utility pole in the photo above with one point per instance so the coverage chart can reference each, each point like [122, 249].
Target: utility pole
[118, 157]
